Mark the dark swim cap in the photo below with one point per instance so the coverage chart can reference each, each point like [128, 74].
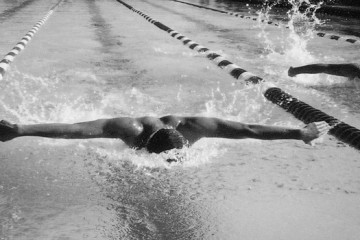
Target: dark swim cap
[165, 139]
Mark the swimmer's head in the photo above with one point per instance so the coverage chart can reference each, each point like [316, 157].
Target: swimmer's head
[165, 139]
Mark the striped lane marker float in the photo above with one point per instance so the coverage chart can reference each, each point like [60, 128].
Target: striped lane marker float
[233, 69]
[277, 24]
[9, 57]
[299, 109]
[307, 114]
[337, 38]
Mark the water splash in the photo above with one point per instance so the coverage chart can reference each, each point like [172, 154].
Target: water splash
[28, 99]
[116, 154]
[301, 25]
[246, 104]
[302, 18]
[58, 98]
[290, 47]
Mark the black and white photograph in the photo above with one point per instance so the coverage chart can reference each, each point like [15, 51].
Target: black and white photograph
[179, 119]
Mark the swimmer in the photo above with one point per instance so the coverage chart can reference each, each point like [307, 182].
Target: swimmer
[349, 70]
[158, 135]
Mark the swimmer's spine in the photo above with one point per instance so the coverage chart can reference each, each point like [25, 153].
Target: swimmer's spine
[319, 34]
[307, 114]
[9, 57]
[220, 61]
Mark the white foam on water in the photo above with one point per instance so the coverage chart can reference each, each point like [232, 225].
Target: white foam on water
[246, 104]
[30, 99]
[117, 153]
[291, 49]
[33, 101]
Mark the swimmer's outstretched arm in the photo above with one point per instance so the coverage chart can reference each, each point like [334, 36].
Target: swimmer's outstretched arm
[214, 127]
[101, 128]
[310, 132]
[345, 70]
[93, 129]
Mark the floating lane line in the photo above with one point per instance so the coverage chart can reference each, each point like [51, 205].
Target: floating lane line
[236, 71]
[10, 56]
[236, 14]
[319, 34]
[297, 108]
[306, 113]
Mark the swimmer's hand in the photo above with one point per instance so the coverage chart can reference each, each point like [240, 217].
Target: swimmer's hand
[314, 130]
[8, 131]
[291, 72]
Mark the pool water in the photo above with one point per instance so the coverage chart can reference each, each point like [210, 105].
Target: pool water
[97, 59]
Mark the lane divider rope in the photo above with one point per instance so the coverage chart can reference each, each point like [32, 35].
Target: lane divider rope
[234, 70]
[319, 34]
[299, 109]
[307, 114]
[10, 56]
